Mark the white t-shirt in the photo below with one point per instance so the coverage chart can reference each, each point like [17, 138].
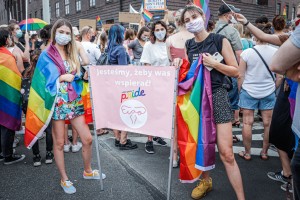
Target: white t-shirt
[258, 82]
[155, 54]
[92, 50]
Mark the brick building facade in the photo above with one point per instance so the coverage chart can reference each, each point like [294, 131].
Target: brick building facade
[109, 9]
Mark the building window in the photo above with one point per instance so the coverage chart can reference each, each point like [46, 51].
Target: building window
[278, 9]
[57, 9]
[78, 5]
[42, 16]
[35, 14]
[262, 2]
[287, 11]
[67, 7]
[92, 3]
[293, 13]
[30, 15]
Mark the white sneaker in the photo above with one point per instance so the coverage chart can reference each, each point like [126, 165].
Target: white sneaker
[76, 147]
[16, 142]
[67, 147]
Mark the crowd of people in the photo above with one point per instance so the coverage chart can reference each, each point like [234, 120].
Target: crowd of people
[259, 71]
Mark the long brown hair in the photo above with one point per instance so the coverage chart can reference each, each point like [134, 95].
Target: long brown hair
[71, 48]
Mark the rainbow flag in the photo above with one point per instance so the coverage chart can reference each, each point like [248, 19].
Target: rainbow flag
[98, 20]
[196, 129]
[10, 96]
[147, 15]
[203, 4]
[42, 97]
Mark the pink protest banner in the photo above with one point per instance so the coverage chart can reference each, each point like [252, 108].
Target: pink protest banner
[138, 99]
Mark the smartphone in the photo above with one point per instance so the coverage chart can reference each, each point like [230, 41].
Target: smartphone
[218, 57]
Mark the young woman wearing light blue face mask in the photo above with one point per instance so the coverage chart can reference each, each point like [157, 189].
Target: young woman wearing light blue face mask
[24, 49]
[155, 54]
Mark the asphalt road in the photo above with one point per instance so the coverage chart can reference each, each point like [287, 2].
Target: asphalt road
[132, 175]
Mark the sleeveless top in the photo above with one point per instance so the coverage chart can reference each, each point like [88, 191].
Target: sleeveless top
[212, 44]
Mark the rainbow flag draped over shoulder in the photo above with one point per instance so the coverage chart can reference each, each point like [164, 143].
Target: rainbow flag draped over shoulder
[10, 96]
[203, 4]
[42, 97]
[196, 128]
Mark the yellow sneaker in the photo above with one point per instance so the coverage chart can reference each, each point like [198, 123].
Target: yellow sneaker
[202, 189]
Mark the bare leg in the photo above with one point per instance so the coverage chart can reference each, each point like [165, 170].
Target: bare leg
[267, 117]
[86, 137]
[117, 134]
[75, 136]
[224, 141]
[58, 146]
[248, 119]
[66, 134]
[285, 162]
[123, 138]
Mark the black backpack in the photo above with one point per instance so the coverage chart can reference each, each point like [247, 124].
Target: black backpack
[104, 59]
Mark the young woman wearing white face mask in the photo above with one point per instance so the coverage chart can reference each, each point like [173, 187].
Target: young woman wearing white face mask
[155, 54]
[61, 63]
[17, 34]
[208, 44]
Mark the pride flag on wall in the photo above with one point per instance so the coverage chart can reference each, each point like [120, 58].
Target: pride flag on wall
[10, 96]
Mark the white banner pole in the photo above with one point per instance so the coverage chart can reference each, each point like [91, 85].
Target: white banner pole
[26, 13]
[172, 138]
[95, 133]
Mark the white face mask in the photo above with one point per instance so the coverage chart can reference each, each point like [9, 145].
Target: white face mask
[160, 35]
[233, 20]
[62, 39]
[195, 26]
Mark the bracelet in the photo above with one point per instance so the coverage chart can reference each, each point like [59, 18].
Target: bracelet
[246, 24]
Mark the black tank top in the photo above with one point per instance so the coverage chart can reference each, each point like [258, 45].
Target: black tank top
[212, 44]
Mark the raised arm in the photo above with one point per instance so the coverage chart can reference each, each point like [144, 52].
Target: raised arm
[272, 39]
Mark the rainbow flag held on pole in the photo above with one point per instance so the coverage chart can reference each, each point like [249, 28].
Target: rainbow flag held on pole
[203, 4]
[10, 96]
[147, 15]
[98, 20]
[196, 129]
[284, 12]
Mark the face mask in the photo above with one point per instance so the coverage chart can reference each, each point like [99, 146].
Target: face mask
[144, 38]
[62, 39]
[160, 35]
[93, 38]
[233, 20]
[195, 26]
[19, 34]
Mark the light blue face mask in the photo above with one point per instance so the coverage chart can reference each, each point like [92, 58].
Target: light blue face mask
[19, 33]
[62, 39]
[160, 35]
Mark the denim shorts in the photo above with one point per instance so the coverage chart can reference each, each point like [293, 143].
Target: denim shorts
[234, 95]
[251, 103]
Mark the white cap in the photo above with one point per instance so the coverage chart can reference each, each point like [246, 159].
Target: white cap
[75, 31]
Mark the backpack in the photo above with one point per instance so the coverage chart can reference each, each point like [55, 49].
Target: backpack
[104, 59]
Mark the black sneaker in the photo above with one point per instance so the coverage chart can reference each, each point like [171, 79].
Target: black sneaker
[128, 145]
[117, 143]
[37, 160]
[1, 157]
[49, 157]
[13, 159]
[278, 176]
[149, 147]
[159, 141]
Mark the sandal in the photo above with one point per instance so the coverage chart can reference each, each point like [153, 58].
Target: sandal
[235, 139]
[245, 156]
[264, 156]
[236, 124]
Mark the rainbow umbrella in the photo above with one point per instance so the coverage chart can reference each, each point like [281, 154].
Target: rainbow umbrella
[32, 24]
